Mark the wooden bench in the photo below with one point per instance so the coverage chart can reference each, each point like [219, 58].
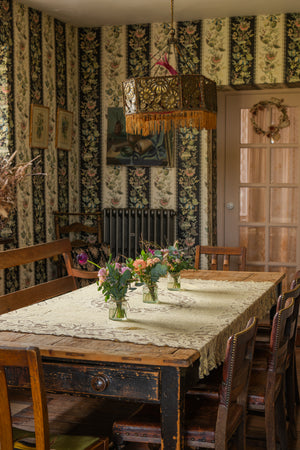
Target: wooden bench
[43, 291]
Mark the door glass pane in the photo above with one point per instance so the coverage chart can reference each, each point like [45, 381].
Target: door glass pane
[252, 204]
[283, 244]
[283, 205]
[284, 165]
[253, 238]
[248, 135]
[289, 133]
[252, 165]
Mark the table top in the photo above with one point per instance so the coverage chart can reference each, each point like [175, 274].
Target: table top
[222, 275]
[132, 341]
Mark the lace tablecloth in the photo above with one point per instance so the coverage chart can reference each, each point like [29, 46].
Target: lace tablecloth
[201, 316]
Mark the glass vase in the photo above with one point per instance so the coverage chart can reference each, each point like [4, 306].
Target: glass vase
[117, 310]
[150, 293]
[174, 281]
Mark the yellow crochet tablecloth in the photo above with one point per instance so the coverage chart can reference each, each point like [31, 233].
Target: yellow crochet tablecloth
[201, 316]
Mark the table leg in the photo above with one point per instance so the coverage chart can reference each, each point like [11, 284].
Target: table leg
[172, 405]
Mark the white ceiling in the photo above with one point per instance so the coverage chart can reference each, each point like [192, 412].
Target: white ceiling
[95, 13]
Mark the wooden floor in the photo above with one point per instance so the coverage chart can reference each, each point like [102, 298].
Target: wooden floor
[66, 416]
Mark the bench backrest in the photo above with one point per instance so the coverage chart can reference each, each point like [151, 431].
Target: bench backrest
[43, 291]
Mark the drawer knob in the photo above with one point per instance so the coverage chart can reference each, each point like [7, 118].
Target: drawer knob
[99, 383]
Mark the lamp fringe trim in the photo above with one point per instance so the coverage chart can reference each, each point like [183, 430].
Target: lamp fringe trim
[151, 123]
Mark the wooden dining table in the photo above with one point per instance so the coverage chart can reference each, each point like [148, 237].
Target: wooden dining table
[103, 358]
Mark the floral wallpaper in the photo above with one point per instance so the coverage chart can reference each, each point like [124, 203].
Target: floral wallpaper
[270, 49]
[48, 62]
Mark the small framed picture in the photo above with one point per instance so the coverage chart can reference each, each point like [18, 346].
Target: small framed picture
[64, 129]
[39, 126]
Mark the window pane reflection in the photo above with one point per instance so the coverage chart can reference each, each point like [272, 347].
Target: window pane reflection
[283, 207]
[248, 135]
[283, 244]
[252, 165]
[252, 204]
[283, 165]
[253, 238]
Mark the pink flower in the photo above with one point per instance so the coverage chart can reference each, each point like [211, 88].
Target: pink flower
[140, 32]
[102, 273]
[140, 172]
[163, 202]
[190, 29]
[190, 172]
[90, 36]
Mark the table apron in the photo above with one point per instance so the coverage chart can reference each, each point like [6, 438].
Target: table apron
[92, 380]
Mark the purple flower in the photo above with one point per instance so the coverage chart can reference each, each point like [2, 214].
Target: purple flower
[82, 258]
[118, 266]
[124, 269]
[151, 251]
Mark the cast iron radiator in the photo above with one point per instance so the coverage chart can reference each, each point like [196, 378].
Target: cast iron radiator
[125, 228]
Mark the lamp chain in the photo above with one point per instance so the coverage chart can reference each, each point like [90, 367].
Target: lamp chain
[172, 14]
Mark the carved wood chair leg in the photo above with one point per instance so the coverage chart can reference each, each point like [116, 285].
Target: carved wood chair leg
[241, 436]
[291, 400]
[297, 396]
[281, 421]
[118, 443]
[270, 427]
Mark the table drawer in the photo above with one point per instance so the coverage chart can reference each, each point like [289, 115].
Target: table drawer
[139, 384]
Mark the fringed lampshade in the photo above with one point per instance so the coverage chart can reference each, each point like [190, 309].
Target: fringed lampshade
[153, 104]
[160, 103]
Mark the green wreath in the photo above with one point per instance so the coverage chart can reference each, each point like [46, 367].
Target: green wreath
[274, 130]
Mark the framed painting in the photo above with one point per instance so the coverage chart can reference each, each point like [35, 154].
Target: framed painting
[39, 126]
[64, 129]
[135, 150]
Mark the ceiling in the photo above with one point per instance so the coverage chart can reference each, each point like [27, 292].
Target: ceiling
[95, 13]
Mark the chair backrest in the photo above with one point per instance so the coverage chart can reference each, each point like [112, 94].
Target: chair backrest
[26, 358]
[43, 291]
[295, 280]
[237, 364]
[283, 327]
[226, 252]
[236, 374]
[80, 227]
[295, 294]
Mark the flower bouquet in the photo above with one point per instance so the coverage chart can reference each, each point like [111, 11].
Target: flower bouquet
[11, 175]
[114, 281]
[149, 267]
[175, 260]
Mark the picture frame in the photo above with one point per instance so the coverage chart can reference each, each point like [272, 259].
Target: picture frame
[64, 129]
[39, 126]
[136, 150]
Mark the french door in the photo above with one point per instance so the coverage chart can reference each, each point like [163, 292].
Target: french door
[260, 187]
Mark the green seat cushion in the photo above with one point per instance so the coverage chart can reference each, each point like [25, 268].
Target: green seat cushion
[24, 440]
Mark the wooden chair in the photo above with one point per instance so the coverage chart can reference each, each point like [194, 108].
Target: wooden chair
[12, 438]
[262, 349]
[88, 239]
[63, 227]
[266, 387]
[49, 289]
[226, 252]
[210, 422]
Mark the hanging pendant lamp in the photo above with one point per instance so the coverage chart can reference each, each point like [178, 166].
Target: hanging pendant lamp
[161, 103]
